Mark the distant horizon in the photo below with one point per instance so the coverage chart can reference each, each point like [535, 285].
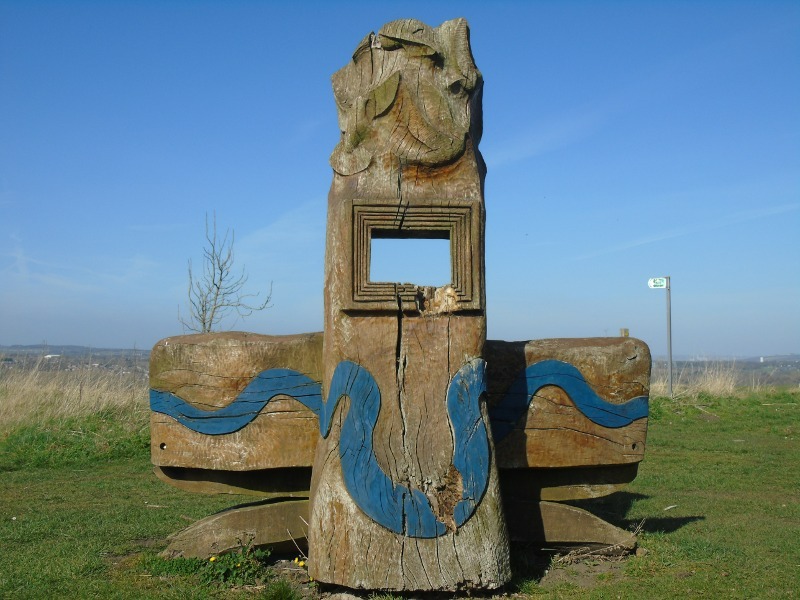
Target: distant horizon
[655, 357]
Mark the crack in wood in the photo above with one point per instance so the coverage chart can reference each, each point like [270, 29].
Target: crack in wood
[581, 432]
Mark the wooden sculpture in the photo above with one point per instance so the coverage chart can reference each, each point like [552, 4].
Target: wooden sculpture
[411, 447]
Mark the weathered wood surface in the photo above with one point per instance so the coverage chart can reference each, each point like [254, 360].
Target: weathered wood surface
[424, 462]
[409, 106]
[208, 371]
[547, 440]
[423, 518]
[280, 525]
[563, 525]
[554, 432]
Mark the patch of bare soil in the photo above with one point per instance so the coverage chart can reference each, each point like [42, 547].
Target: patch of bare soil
[586, 573]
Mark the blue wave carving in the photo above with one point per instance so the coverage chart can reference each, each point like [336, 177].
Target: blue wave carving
[398, 508]
[245, 407]
[509, 410]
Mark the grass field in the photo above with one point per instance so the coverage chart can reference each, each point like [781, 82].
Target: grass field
[82, 516]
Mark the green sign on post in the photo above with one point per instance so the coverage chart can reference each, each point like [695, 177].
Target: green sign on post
[660, 283]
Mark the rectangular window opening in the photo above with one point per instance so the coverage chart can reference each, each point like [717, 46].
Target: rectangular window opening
[422, 258]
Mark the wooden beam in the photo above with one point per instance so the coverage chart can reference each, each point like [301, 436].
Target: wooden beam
[278, 524]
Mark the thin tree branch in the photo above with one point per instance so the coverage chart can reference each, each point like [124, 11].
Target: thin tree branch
[218, 291]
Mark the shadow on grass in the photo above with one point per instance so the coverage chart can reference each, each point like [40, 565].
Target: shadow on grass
[667, 524]
[614, 507]
[530, 562]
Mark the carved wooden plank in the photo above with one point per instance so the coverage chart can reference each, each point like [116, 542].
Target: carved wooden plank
[558, 429]
[209, 371]
[280, 525]
[262, 390]
[561, 525]
[557, 434]
[552, 425]
[404, 488]
[276, 439]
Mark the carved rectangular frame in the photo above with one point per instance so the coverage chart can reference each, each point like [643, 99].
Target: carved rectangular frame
[460, 224]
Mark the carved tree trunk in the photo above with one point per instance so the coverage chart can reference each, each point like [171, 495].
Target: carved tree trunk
[405, 488]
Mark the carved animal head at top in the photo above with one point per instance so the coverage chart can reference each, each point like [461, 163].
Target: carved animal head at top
[411, 93]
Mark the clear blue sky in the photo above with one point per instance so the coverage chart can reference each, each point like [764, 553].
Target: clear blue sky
[624, 140]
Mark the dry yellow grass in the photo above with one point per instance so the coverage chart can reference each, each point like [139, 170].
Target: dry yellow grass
[39, 391]
[36, 393]
[714, 379]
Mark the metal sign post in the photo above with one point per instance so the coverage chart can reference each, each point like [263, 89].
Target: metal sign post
[663, 283]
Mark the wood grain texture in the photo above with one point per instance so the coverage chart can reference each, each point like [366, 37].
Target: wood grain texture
[405, 509]
[417, 454]
[394, 562]
[408, 94]
[568, 378]
[407, 166]
[209, 371]
[560, 525]
[279, 525]
[554, 433]
[285, 435]
[249, 403]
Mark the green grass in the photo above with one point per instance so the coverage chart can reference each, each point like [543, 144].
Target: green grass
[82, 515]
[730, 470]
[73, 442]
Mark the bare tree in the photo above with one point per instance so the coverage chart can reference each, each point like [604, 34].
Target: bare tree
[218, 291]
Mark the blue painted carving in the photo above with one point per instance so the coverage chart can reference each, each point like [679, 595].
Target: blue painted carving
[398, 508]
[505, 414]
[470, 438]
[245, 407]
[381, 499]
